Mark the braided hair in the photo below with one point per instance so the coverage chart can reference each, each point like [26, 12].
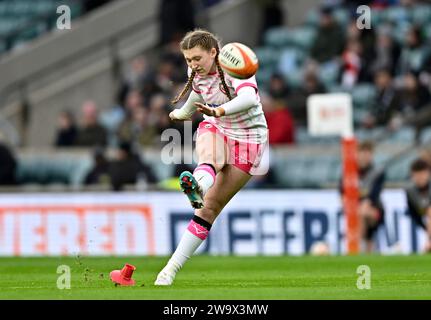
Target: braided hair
[206, 40]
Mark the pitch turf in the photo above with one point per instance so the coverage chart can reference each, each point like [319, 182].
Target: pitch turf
[211, 277]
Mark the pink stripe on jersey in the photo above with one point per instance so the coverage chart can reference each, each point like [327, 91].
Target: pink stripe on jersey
[198, 230]
[196, 90]
[246, 84]
[246, 126]
[206, 168]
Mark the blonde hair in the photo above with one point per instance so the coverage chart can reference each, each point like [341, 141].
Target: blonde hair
[206, 40]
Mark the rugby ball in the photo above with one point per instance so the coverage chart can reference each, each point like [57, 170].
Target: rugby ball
[238, 60]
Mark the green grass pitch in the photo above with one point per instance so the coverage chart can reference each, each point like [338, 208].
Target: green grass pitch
[222, 277]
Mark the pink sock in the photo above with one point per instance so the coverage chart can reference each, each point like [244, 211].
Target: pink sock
[190, 241]
[198, 230]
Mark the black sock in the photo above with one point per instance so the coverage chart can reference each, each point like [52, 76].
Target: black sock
[202, 222]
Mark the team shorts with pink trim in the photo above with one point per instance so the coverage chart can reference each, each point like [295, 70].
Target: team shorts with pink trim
[243, 155]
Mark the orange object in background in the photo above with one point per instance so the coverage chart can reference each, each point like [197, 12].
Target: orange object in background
[351, 194]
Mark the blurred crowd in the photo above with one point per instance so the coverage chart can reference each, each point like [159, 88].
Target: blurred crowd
[398, 66]
[393, 55]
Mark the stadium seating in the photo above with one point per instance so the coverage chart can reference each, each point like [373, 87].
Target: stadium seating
[45, 168]
[70, 167]
[403, 135]
[24, 20]
[284, 49]
[399, 171]
[369, 134]
[304, 138]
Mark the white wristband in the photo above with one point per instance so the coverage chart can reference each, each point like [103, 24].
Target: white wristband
[180, 114]
[189, 107]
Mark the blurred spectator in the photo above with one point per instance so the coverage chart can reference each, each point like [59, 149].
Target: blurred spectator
[414, 53]
[137, 129]
[367, 38]
[66, 130]
[329, 41]
[159, 113]
[297, 100]
[352, 64]
[91, 133]
[278, 88]
[413, 95]
[138, 72]
[280, 122]
[425, 74]
[172, 53]
[387, 52]
[418, 196]
[371, 181]
[8, 166]
[272, 14]
[352, 5]
[134, 100]
[115, 118]
[394, 106]
[177, 18]
[128, 167]
[165, 75]
[353, 32]
[138, 76]
[382, 4]
[111, 120]
[386, 104]
[425, 155]
[142, 77]
[99, 174]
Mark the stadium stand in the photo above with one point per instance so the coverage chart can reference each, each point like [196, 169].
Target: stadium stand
[286, 50]
[24, 20]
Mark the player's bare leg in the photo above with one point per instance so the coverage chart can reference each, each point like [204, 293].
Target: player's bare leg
[211, 151]
[229, 181]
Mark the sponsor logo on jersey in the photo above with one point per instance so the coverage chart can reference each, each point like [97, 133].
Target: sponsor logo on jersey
[213, 105]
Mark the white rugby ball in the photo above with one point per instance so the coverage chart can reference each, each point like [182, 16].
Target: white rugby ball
[238, 60]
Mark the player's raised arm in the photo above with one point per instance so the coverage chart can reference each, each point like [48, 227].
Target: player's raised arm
[245, 99]
[188, 108]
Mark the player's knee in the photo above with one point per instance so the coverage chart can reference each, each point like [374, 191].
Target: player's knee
[213, 159]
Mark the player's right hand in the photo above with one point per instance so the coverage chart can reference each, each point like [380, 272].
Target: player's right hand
[178, 115]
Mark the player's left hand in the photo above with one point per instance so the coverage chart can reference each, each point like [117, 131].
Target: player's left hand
[211, 112]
